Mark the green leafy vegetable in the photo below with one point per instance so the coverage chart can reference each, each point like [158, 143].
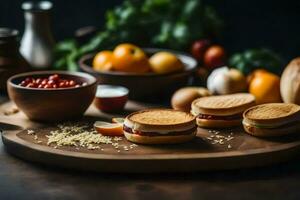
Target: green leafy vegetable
[153, 23]
[257, 58]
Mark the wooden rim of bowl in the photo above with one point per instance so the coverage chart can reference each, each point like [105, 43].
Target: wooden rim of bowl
[90, 80]
[188, 61]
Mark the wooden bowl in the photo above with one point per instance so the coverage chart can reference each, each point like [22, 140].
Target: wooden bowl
[145, 86]
[51, 105]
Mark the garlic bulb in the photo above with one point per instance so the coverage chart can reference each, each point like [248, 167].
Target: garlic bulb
[226, 81]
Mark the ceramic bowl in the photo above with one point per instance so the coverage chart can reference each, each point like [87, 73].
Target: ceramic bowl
[51, 105]
[145, 86]
[111, 98]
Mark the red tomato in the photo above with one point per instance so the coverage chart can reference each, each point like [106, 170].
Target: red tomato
[199, 47]
[214, 57]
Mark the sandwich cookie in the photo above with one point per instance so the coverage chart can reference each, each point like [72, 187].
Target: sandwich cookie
[221, 111]
[159, 126]
[272, 119]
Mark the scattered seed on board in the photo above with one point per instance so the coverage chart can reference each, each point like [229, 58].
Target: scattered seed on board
[75, 134]
[216, 138]
[117, 138]
[30, 132]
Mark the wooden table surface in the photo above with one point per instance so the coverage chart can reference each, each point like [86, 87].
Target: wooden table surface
[24, 180]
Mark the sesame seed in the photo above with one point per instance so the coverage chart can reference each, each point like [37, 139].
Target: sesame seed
[219, 139]
[30, 132]
[117, 139]
[81, 135]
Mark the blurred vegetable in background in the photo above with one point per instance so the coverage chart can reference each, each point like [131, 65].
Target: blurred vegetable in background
[199, 48]
[214, 56]
[265, 86]
[253, 59]
[152, 23]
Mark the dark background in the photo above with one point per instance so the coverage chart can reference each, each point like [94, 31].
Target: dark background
[249, 23]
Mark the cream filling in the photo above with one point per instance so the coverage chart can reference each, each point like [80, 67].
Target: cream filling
[160, 130]
[258, 125]
[193, 112]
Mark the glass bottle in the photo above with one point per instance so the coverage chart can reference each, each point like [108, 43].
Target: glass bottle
[37, 42]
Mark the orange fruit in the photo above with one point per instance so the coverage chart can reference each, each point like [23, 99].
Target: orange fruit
[255, 73]
[103, 61]
[165, 62]
[130, 58]
[109, 129]
[265, 86]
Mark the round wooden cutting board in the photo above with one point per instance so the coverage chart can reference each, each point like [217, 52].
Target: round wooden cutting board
[206, 152]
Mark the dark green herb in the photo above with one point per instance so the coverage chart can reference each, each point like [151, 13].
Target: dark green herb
[257, 58]
[153, 23]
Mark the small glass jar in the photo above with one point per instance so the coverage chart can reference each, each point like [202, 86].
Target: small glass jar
[11, 61]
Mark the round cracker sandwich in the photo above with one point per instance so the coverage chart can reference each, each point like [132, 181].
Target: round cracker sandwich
[272, 119]
[159, 126]
[221, 111]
